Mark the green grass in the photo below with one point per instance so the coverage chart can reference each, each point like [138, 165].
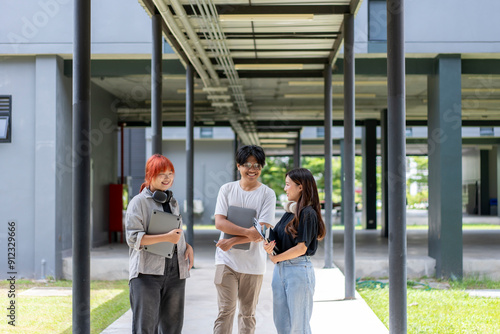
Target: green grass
[108, 301]
[425, 227]
[442, 311]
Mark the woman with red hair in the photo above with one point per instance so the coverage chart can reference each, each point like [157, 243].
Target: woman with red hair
[157, 283]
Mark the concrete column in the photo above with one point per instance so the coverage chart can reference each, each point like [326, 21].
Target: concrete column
[384, 216]
[328, 167]
[445, 166]
[349, 125]
[369, 152]
[189, 216]
[497, 171]
[236, 145]
[45, 242]
[297, 151]
[484, 187]
[156, 83]
[81, 167]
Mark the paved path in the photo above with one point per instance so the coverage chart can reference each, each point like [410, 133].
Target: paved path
[331, 313]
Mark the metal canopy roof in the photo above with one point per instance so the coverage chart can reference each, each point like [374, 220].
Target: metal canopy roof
[264, 75]
[236, 45]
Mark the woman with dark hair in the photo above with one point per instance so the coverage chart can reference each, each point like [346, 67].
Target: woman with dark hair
[296, 238]
[156, 283]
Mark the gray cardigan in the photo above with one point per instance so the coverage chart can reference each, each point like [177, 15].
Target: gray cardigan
[138, 215]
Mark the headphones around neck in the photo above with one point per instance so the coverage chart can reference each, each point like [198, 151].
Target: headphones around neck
[162, 196]
[290, 207]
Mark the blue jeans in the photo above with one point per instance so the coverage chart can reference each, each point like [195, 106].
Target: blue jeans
[293, 290]
[157, 301]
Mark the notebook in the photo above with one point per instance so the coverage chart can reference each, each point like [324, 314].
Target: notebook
[162, 222]
[243, 217]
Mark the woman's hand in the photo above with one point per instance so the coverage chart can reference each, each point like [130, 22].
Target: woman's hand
[225, 244]
[269, 247]
[189, 255]
[173, 236]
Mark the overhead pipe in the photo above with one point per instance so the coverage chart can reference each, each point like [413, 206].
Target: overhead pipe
[179, 36]
[195, 59]
[181, 14]
[213, 33]
[223, 56]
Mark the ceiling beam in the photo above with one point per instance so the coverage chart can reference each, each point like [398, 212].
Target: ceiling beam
[280, 60]
[332, 58]
[364, 66]
[280, 35]
[277, 50]
[279, 74]
[149, 6]
[276, 9]
[284, 126]
[123, 67]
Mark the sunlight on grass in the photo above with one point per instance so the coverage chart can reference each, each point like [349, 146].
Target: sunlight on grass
[442, 311]
[108, 301]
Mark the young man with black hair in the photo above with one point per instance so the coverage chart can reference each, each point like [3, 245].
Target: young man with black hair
[239, 273]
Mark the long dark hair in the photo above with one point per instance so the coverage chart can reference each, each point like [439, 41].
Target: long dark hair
[308, 197]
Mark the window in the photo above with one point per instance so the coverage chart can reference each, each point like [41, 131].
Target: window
[206, 132]
[5, 118]
[377, 20]
[320, 132]
[409, 132]
[486, 132]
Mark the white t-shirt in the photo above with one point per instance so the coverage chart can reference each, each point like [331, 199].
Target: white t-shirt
[263, 200]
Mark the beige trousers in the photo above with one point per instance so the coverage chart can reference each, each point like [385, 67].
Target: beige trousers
[232, 287]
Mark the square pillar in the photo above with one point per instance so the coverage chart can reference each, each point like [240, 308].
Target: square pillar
[384, 187]
[484, 186]
[369, 152]
[445, 166]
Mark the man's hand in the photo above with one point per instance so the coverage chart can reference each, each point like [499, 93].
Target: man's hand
[253, 234]
[225, 244]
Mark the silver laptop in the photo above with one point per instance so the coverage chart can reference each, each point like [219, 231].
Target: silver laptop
[243, 217]
[162, 222]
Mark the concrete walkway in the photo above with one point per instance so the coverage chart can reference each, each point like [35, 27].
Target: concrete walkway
[330, 310]
[332, 314]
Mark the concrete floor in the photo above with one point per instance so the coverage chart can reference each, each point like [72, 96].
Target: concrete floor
[481, 254]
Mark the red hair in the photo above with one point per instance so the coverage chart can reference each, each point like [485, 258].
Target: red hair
[156, 164]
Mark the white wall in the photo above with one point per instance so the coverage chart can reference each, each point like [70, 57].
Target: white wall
[213, 166]
[46, 26]
[36, 168]
[444, 26]
[17, 167]
[104, 159]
